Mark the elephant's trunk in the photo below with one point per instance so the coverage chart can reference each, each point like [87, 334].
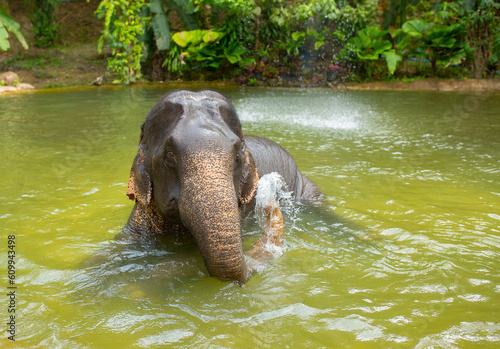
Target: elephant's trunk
[208, 206]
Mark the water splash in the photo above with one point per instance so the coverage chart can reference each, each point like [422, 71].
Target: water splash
[323, 112]
[272, 191]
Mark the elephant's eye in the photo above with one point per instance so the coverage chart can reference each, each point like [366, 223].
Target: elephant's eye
[239, 157]
[170, 159]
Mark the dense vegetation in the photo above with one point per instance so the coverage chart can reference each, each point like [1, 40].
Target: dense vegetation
[280, 42]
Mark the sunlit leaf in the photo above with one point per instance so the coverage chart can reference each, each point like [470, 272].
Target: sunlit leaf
[191, 37]
[298, 35]
[4, 38]
[9, 24]
[210, 35]
[318, 44]
[392, 59]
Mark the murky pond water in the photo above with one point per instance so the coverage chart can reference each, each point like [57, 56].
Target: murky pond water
[417, 175]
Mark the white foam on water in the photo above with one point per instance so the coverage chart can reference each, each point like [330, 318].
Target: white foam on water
[320, 111]
[272, 191]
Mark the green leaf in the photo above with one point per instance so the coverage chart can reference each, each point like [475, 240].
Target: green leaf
[156, 6]
[257, 11]
[381, 46]
[21, 39]
[369, 56]
[215, 64]
[339, 35]
[4, 38]
[233, 58]
[298, 35]
[246, 61]
[233, 52]
[236, 48]
[416, 28]
[191, 37]
[318, 44]
[496, 47]
[206, 53]
[364, 40]
[9, 24]
[374, 49]
[392, 59]
[162, 32]
[180, 39]
[210, 35]
[445, 42]
[374, 32]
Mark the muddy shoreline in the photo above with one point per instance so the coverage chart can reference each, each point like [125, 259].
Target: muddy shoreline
[417, 85]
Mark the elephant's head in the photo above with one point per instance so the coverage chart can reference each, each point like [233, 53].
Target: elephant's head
[194, 168]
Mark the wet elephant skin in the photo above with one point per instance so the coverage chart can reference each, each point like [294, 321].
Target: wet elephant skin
[196, 172]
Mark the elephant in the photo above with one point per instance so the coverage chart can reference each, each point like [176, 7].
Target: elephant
[196, 173]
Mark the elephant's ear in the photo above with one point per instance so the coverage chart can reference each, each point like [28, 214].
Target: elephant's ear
[248, 180]
[140, 187]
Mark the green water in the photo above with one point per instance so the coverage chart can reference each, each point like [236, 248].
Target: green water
[419, 172]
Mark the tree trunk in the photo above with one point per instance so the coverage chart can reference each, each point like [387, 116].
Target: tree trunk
[158, 73]
[433, 67]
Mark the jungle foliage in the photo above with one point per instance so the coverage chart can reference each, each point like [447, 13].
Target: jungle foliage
[44, 24]
[227, 38]
[123, 32]
[462, 34]
[277, 40]
[266, 39]
[45, 28]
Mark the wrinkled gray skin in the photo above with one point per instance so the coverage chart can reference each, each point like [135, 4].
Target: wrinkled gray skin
[195, 172]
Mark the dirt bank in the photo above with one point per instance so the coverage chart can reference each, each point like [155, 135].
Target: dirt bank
[73, 62]
[78, 65]
[83, 70]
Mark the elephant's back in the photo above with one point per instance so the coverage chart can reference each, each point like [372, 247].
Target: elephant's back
[272, 157]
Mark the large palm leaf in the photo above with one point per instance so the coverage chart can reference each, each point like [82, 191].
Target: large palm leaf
[7, 24]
